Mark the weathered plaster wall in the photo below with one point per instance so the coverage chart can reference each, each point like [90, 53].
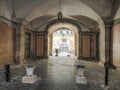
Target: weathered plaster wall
[116, 45]
[6, 8]
[117, 15]
[5, 11]
[116, 39]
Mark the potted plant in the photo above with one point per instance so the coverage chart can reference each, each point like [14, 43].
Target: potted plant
[56, 51]
[68, 54]
[29, 69]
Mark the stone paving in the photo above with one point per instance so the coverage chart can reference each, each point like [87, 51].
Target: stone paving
[58, 73]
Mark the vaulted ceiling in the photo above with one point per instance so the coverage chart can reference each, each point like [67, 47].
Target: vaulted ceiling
[40, 12]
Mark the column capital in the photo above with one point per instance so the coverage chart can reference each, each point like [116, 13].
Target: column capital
[108, 22]
[108, 25]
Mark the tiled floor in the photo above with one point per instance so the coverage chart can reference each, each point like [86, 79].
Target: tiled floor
[58, 73]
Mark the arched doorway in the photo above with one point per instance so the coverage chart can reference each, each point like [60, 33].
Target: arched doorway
[65, 37]
[63, 40]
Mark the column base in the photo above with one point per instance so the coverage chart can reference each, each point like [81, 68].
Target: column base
[45, 57]
[50, 54]
[16, 62]
[79, 57]
[105, 87]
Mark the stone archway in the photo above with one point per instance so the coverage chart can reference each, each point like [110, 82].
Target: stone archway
[76, 30]
[56, 27]
[79, 40]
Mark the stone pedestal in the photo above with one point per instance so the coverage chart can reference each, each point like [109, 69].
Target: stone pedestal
[29, 79]
[80, 79]
[80, 71]
[105, 87]
[29, 70]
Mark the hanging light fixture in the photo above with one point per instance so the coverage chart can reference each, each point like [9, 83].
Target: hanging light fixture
[59, 15]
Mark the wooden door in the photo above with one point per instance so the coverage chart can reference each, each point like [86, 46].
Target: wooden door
[85, 46]
[89, 48]
[40, 46]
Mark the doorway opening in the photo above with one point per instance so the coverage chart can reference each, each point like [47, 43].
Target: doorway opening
[63, 41]
[63, 37]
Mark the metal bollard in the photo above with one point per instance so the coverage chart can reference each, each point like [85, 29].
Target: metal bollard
[106, 65]
[7, 72]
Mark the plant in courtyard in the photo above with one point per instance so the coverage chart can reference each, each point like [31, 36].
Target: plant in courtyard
[56, 51]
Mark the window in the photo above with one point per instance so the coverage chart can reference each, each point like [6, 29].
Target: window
[64, 40]
[61, 32]
[64, 48]
[67, 32]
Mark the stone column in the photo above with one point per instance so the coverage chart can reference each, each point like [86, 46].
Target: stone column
[33, 45]
[17, 36]
[46, 45]
[76, 44]
[93, 46]
[79, 45]
[108, 27]
[50, 44]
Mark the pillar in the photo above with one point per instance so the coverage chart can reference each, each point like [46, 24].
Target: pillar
[46, 45]
[33, 51]
[17, 36]
[50, 44]
[108, 27]
[93, 46]
[79, 45]
[76, 44]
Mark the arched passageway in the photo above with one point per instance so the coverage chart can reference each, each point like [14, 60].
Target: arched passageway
[86, 43]
[70, 36]
[26, 34]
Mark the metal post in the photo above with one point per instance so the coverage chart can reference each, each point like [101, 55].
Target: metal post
[106, 73]
[7, 72]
